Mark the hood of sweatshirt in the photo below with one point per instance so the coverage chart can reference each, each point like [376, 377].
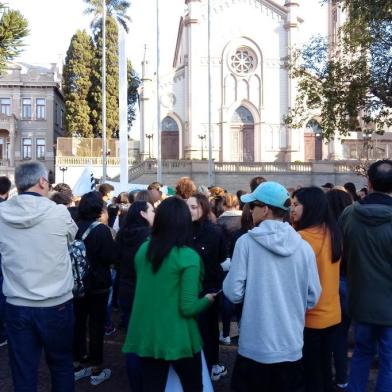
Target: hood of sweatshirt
[373, 214]
[276, 236]
[24, 211]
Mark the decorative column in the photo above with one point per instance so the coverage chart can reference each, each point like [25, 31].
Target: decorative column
[146, 109]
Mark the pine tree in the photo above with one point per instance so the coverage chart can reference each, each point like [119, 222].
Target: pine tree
[77, 84]
[95, 97]
[13, 28]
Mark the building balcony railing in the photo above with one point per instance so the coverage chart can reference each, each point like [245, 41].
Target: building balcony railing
[94, 161]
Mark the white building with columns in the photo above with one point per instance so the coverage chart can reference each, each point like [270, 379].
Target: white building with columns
[251, 87]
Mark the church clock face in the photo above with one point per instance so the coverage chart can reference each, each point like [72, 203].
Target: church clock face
[243, 61]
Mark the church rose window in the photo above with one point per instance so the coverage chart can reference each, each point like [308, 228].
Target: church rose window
[243, 61]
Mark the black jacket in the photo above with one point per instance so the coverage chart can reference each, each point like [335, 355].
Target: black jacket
[208, 241]
[101, 252]
[129, 241]
[367, 233]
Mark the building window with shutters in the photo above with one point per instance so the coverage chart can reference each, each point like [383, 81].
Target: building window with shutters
[5, 106]
[26, 108]
[26, 148]
[40, 109]
[40, 148]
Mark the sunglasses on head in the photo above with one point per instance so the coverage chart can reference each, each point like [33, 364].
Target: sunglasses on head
[254, 204]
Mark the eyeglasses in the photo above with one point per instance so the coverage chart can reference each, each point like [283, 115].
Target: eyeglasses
[255, 204]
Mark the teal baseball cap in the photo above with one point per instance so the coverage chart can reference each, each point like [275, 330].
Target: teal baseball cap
[271, 193]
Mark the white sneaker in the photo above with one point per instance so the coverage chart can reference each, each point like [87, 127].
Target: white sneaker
[225, 340]
[217, 372]
[101, 377]
[82, 373]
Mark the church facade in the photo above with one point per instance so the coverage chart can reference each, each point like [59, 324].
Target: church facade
[251, 90]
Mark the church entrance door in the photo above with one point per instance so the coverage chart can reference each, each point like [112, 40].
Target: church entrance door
[169, 139]
[242, 136]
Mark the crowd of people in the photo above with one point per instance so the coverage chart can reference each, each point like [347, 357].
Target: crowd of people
[295, 268]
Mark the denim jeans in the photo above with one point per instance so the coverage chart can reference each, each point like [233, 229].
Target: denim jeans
[3, 334]
[368, 338]
[31, 330]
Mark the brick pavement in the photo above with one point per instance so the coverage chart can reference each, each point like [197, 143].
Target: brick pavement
[115, 360]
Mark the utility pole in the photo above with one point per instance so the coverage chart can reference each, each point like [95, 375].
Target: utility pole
[104, 145]
[159, 155]
[210, 179]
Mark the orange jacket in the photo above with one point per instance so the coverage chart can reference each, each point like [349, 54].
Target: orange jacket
[327, 311]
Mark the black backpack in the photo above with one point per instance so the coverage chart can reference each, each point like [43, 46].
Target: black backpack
[80, 265]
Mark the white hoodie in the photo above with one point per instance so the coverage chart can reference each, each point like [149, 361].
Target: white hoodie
[34, 237]
[274, 273]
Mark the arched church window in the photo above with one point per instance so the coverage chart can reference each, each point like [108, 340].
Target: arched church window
[242, 116]
[169, 125]
[314, 126]
[243, 61]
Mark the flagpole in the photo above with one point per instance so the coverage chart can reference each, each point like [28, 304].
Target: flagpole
[210, 179]
[159, 155]
[104, 146]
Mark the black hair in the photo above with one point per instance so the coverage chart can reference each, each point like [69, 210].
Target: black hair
[255, 182]
[380, 176]
[350, 188]
[338, 200]
[90, 206]
[316, 212]
[172, 228]
[132, 220]
[5, 185]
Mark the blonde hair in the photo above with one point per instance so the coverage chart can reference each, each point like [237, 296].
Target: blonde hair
[230, 201]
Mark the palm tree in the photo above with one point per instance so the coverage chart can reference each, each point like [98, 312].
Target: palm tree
[115, 9]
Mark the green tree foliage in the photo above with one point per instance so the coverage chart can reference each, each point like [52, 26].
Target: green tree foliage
[83, 76]
[133, 95]
[77, 84]
[350, 85]
[117, 9]
[13, 28]
[112, 114]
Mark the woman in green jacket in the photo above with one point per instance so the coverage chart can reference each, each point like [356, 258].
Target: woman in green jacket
[163, 328]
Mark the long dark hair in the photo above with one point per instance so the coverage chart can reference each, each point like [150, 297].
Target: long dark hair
[316, 212]
[205, 205]
[338, 200]
[172, 228]
[133, 220]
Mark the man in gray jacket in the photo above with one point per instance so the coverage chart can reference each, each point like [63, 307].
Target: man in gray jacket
[38, 282]
[274, 274]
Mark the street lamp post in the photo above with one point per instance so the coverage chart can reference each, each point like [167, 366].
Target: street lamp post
[63, 169]
[149, 136]
[104, 146]
[202, 138]
[367, 137]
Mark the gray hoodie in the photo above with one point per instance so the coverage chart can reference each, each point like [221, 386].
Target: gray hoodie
[274, 273]
[35, 233]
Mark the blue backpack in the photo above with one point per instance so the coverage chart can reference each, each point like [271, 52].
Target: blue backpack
[81, 267]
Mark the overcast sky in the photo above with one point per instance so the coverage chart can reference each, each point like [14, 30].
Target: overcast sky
[53, 22]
